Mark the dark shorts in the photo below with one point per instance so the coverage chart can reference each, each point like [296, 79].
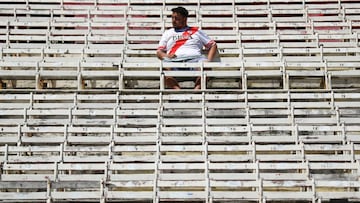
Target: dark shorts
[186, 60]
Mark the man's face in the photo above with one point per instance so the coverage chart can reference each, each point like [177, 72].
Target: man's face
[178, 21]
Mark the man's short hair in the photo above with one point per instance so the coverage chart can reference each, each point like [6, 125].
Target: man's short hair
[181, 10]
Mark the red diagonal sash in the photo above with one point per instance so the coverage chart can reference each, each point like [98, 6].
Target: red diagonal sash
[185, 36]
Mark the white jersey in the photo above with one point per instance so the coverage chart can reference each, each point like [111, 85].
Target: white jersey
[186, 42]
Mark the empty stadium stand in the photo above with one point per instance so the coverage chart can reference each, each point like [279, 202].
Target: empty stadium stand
[85, 115]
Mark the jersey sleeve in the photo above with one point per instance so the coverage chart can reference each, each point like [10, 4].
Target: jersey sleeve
[163, 42]
[206, 40]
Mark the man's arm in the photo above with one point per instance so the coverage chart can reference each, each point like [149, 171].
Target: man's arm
[162, 54]
[161, 51]
[212, 52]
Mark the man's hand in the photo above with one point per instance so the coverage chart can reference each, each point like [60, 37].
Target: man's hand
[162, 55]
[171, 56]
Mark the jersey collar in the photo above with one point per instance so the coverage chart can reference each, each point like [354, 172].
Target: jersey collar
[182, 29]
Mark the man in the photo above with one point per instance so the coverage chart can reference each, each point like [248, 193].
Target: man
[184, 44]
